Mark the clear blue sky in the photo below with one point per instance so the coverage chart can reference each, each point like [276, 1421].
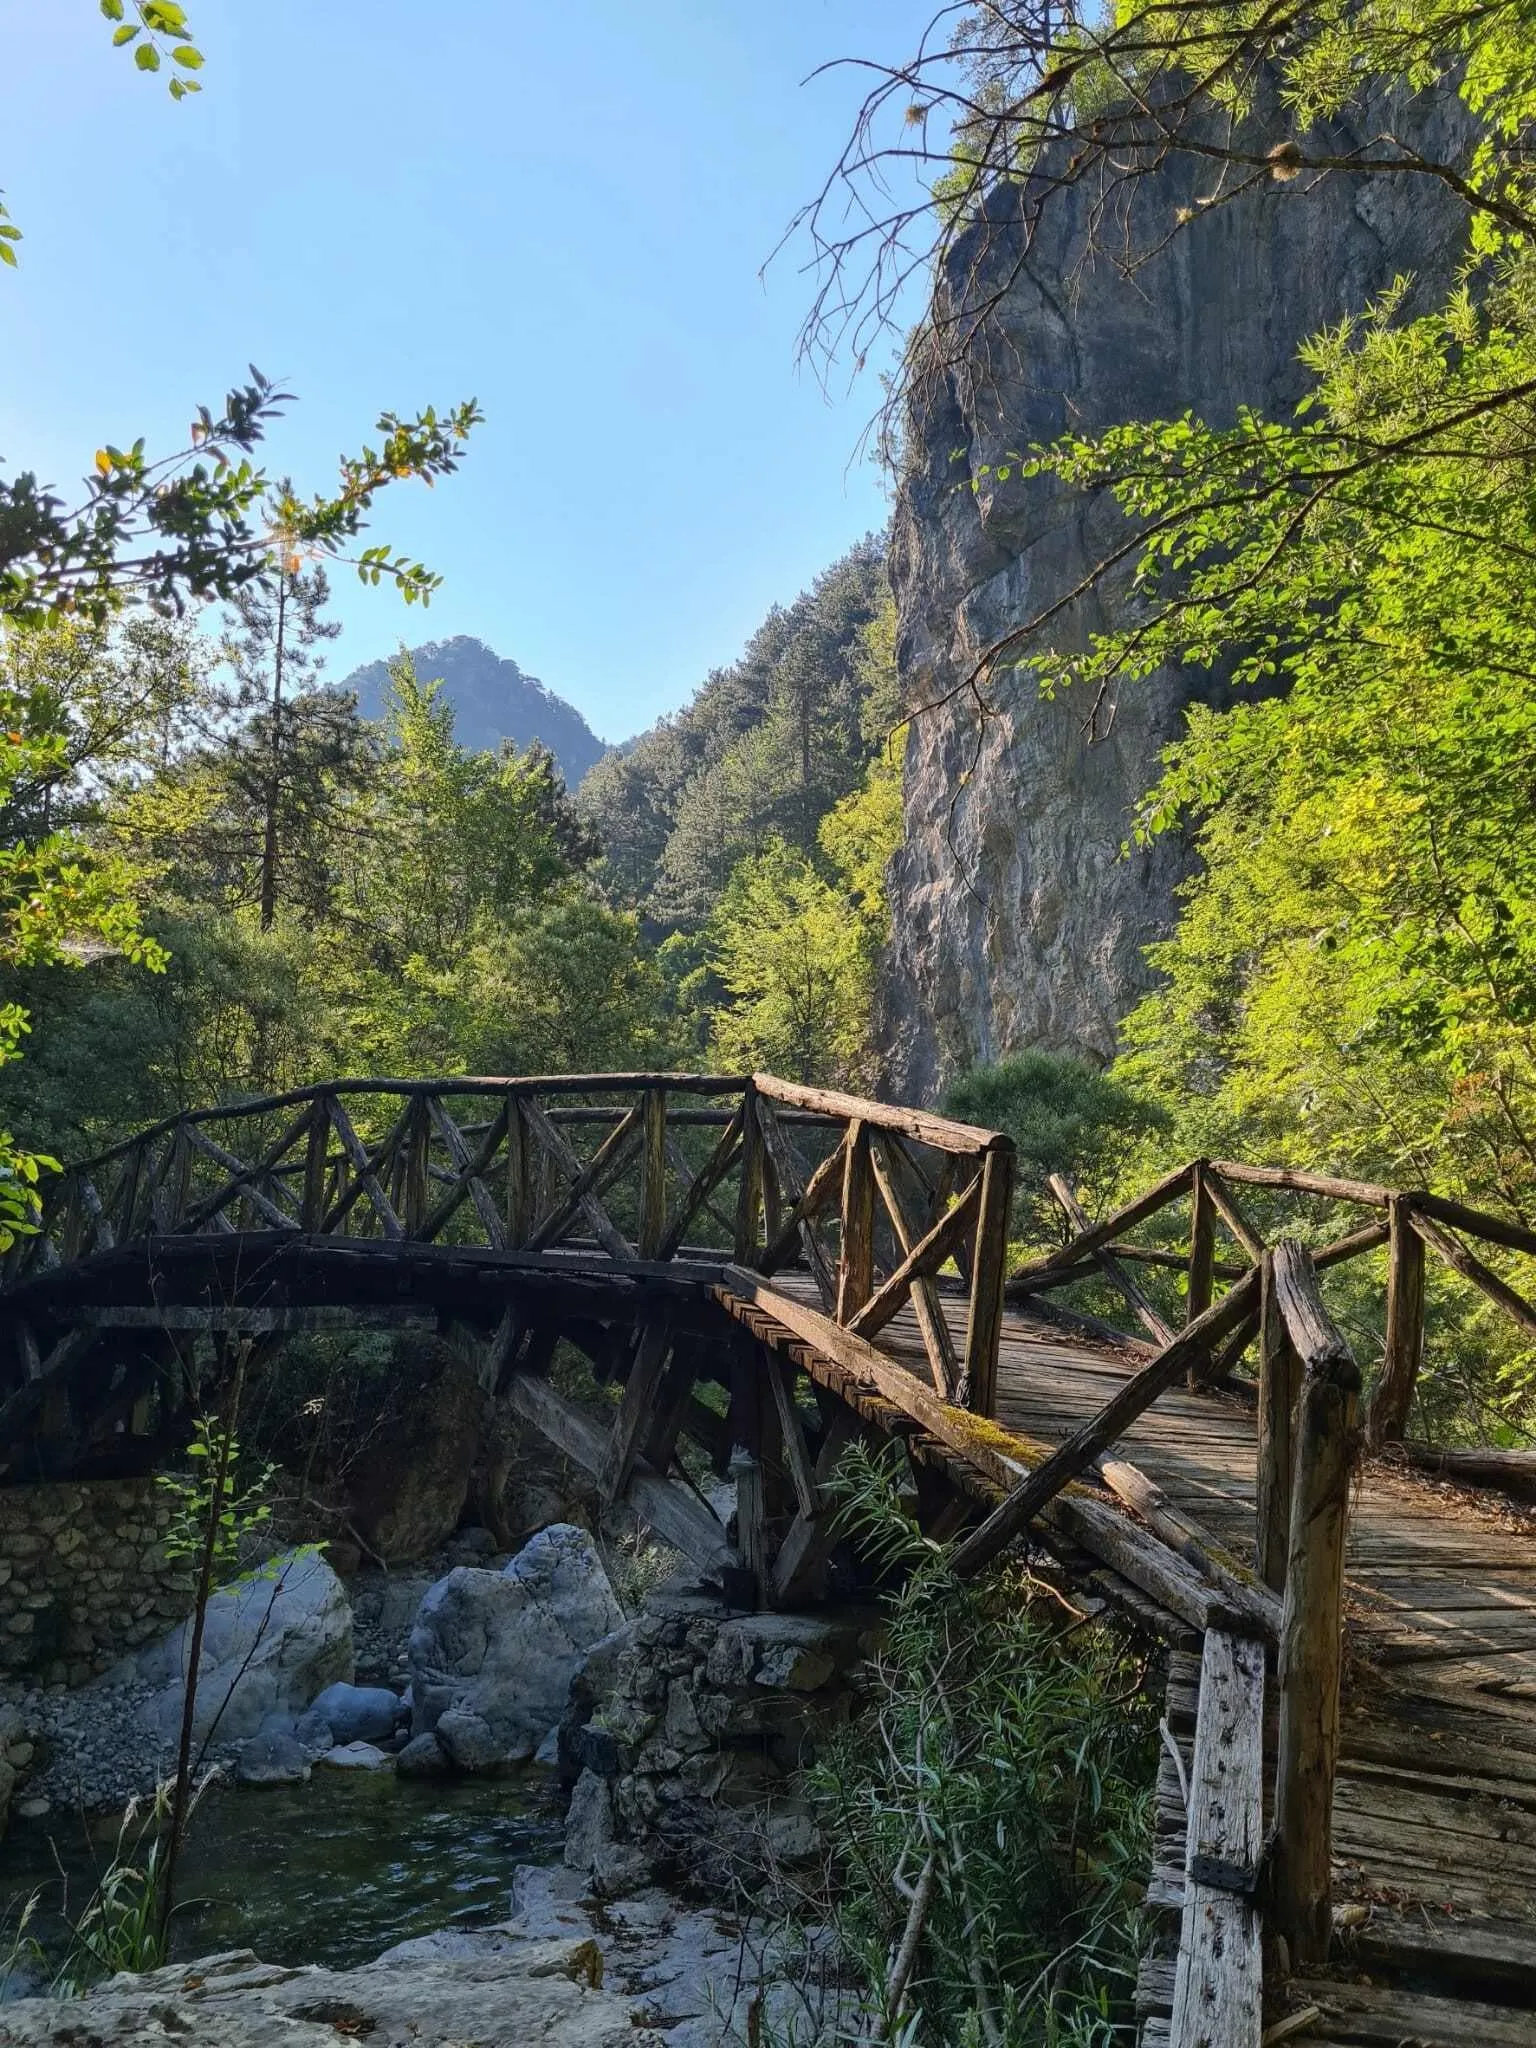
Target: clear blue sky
[561, 211]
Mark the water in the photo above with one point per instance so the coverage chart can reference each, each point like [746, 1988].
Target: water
[329, 1872]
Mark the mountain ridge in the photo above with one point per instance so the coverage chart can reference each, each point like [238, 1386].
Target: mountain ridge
[493, 700]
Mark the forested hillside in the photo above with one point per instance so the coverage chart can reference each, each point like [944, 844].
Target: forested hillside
[752, 830]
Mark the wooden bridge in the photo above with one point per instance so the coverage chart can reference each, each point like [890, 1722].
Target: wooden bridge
[1347, 1805]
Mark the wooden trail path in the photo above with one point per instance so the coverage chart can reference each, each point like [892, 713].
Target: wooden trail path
[1346, 1805]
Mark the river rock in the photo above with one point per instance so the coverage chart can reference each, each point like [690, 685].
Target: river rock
[529, 1994]
[359, 1713]
[422, 1757]
[503, 1647]
[355, 1756]
[272, 1641]
[590, 1847]
[272, 1758]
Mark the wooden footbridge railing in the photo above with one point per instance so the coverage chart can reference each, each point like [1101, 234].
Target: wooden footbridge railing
[767, 1270]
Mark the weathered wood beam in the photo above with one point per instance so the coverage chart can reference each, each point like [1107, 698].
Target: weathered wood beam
[1227, 1207]
[941, 1132]
[1312, 1627]
[675, 1514]
[470, 1168]
[1279, 1389]
[702, 1186]
[555, 1148]
[636, 1407]
[1367, 1193]
[809, 1195]
[364, 1172]
[856, 1267]
[1201, 1264]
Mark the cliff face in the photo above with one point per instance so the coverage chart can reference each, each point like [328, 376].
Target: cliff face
[1016, 920]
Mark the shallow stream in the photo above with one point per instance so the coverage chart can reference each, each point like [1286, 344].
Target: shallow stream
[329, 1872]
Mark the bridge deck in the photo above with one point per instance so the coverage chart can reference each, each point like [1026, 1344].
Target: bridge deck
[1435, 1802]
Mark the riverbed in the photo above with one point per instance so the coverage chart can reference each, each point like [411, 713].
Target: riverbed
[332, 1871]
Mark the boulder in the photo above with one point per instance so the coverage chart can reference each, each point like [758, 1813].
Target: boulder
[273, 1758]
[503, 1647]
[590, 1687]
[422, 1757]
[503, 1994]
[359, 1713]
[271, 1642]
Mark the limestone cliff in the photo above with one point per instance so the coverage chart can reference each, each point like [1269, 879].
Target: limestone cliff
[1016, 920]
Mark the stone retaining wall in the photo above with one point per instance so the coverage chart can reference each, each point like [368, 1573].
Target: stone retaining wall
[84, 1577]
[689, 1763]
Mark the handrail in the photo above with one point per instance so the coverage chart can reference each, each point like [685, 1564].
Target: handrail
[1414, 1219]
[899, 1195]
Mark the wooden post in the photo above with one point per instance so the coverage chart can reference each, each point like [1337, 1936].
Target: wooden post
[1393, 1396]
[1218, 1990]
[416, 1181]
[989, 1271]
[520, 1167]
[1279, 1385]
[653, 1173]
[856, 1267]
[1312, 1623]
[317, 1153]
[1202, 1247]
[749, 1200]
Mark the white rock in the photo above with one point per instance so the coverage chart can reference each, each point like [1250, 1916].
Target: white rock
[271, 1642]
[501, 1995]
[356, 1756]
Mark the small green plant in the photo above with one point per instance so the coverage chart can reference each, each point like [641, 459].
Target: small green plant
[991, 1816]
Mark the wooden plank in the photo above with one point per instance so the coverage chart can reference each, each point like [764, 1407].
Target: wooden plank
[366, 1179]
[989, 1268]
[653, 1173]
[1116, 1274]
[1218, 1988]
[1478, 1222]
[1193, 1543]
[1279, 1389]
[1369, 2014]
[241, 1181]
[636, 1407]
[941, 1132]
[804, 1548]
[1456, 1255]
[1095, 1436]
[1392, 1397]
[668, 1508]
[586, 1182]
[1226, 1790]
[470, 1170]
[823, 1185]
[749, 1194]
[714, 1170]
[856, 1267]
[797, 1456]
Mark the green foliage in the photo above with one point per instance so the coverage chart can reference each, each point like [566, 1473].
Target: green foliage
[214, 1499]
[159, 34]
[762, 753]
[1019, 1756]
[794, 943]
[1065, 1117]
